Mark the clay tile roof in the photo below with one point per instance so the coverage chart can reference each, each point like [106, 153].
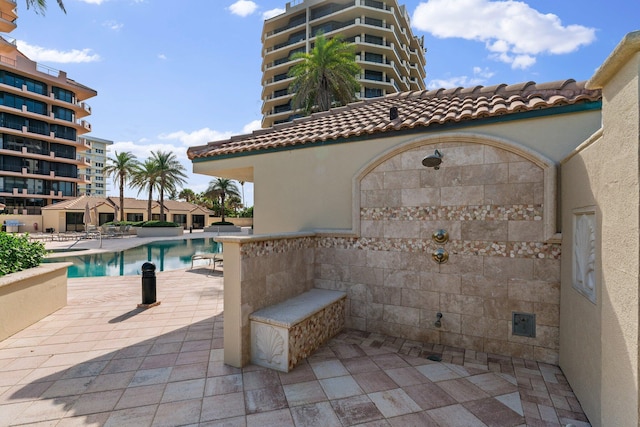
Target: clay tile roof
[415, 110]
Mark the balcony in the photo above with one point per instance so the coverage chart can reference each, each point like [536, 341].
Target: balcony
[7, 22]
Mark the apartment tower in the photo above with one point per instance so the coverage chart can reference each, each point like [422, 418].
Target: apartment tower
[42, 114]
[392, 59]
[94, 172]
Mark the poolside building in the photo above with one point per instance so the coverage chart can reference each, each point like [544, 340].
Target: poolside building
[511, 210]
[96, 157]
[42, 114]
[391, 57]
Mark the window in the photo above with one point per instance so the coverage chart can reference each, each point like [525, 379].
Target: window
[19, 81]
[370, 92]
[99, 151]
[135, 217]
[373, 75]
[373, 57]
[62, 94]
[99, 185]
[64, 132]
[62, 113]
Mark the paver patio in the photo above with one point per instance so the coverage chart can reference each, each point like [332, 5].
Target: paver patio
[102, 361]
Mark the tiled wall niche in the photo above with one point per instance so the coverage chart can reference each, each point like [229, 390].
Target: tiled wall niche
[492, 203]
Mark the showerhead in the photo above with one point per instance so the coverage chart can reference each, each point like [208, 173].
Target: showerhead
[433, 161]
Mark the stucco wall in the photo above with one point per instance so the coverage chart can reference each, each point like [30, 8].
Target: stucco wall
[30, 295]
[599, 341]
[311, 188]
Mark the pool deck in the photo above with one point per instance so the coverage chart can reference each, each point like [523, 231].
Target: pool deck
[102, 361]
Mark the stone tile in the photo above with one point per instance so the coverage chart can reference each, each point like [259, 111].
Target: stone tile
[389, 361]
[356, 410]
[92, 403]
[184, 390]
[280, 418]
[462, 390]
[372, 382]
[265, 399]
[347, 351]
[260, 379]
[360, 364]
[437, 372]
[223, 406]
[340, 387]
[67, 387]
[429, 396]
[493, 384]
[406, 376]
[417, 419]
[150, 376]
[134, 416]
[301, 373]
[395, 402]
[493, 413]
[455, 416]
[141, 396]
[304, 393]
[178, 413]
[111, 381]
[188, 372]
[328, 369]
[228, 422]
[223, 385]
[316, 414]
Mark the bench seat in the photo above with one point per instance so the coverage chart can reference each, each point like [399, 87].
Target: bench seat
[285, 333]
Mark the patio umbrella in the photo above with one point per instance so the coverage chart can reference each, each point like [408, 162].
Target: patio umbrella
[115, 213]
[96, 217]
[86, 218]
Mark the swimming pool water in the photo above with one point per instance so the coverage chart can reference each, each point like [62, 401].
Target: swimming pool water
[166, 255]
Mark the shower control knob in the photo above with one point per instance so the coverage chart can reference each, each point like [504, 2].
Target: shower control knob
[440, 236]
[440, 256]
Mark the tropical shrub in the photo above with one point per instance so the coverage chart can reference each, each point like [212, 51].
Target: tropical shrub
[17, 253]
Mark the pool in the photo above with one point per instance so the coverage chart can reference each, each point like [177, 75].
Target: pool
[165, 254]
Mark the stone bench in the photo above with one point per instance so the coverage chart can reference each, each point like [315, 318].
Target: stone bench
[285, 333]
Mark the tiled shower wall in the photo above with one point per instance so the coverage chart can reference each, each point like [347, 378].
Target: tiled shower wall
[490, 201]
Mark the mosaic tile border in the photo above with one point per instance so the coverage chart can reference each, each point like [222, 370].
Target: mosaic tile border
[276, 246]
[537, 250]
[455, 213]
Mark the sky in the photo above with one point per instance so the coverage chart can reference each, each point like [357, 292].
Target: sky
[175, 74]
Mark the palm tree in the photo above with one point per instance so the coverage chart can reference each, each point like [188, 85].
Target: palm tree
[187, 195]
[235, 203]
[326, 74]
[40, 6]
[222, 187]
[123, 168]
[146, 178]
[170, 174]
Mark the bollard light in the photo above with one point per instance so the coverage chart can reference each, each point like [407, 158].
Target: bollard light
[148, 286]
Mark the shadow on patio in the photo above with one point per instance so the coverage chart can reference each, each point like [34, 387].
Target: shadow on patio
[101, 361]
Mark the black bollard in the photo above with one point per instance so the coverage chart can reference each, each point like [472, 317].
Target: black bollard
[148, 285]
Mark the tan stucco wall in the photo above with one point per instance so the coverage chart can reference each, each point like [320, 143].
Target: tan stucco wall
[30, 295]
[284, 181]
[599, 342]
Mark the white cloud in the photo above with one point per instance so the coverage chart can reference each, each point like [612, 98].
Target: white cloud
[512, 31]
[479, 77]
[243, 8]
[41, 54]
[162, 56]
[271, 13]
[251, 126]
[196, 137]
[113, 25]
[98, 2]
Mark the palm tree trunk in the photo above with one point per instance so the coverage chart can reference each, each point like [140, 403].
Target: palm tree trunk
[149, 203]
[121, 199]
[162, 201]
[222, 204]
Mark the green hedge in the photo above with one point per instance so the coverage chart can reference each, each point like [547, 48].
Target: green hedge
[160, 224]
[223, 223]
[17, 253]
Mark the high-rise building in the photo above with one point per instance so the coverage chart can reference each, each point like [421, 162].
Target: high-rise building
[96, 156]
[42, 114]
[391, 57]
